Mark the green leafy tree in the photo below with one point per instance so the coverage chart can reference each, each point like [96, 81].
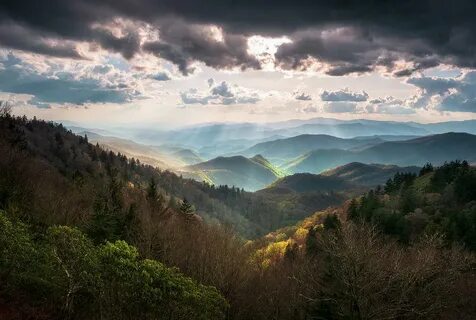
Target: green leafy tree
[16, 249]
[26, 267]
[130, 288]
[76, 259]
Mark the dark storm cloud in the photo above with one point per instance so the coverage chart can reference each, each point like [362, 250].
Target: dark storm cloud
[28, 40]
[183, 44]
[380, 33]
[127, 45]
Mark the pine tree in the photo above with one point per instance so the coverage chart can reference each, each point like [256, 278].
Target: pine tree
[186, 207]
[152, 190]
[428, 167]
[331, 222]
[353, 210]
[291, 252]
[311, 242]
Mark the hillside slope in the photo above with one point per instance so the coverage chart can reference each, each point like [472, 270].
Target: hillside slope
[307, 182]
[415, 152]
[284, 149]
[304, 193]
[58, 177]
[248, 173]
[367, 174]
[162, 157]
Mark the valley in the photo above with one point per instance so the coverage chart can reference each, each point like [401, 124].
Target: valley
[233, 221]
[210, 153]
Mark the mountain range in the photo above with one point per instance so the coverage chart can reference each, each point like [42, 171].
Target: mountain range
[252, 156]
[281, 149]
[233, 137]
[434, 148]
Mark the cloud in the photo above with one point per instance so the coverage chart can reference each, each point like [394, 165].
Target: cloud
[220, 94]
[340, 107]
[310, 109]
[56, 84]
[446, 94]
[361, 36]
[388, 105]
[356, 49]
[161, 76]
[184, 44]
[344, 95]
[302, 96]
[21, 38]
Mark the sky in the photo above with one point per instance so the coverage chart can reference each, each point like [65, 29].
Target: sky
[182, 62]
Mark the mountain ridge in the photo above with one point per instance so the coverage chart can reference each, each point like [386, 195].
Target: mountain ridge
[436, 149]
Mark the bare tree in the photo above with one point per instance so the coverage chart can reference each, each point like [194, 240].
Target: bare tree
[360, 275]
[5, 109]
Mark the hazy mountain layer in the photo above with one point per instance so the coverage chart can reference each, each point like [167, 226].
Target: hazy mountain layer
[435, 149]
[285, 149]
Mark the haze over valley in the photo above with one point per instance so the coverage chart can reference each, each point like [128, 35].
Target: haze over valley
[210, 152]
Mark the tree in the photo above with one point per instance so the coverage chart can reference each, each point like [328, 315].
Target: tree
[186, 207]
[364, 276]
[16, 249]
[428, 167]
[107, 221]
[353, 210]
[152, 190]
[311, 242]
[76, 258]
[5, 109]
[408, 200]
[331, 222]
[130, 288]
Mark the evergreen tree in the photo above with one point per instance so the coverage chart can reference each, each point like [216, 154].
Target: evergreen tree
[186, 207]
[331, 222]
[152, 190]
[428, 167]
[311, 242]
[291, 252]
[353, 210]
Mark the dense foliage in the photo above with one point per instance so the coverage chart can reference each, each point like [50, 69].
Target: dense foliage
[440, 200]
[33, 149]
[65, 273]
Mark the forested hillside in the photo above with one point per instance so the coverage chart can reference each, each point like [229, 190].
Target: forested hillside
[44, 160]
[89, 234]
[367, 174]
[249, 173]
[438, 200]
